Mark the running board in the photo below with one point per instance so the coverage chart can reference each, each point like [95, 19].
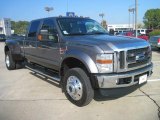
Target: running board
[55, 78]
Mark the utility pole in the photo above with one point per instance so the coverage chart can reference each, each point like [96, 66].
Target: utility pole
[136, 14]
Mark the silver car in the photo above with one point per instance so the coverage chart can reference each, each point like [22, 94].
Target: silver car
[155, 41]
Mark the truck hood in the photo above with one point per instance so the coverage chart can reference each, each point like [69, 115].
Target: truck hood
[108, 43]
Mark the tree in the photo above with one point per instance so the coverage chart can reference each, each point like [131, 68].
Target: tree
[140, 25]
[19, 27]
[152, 19]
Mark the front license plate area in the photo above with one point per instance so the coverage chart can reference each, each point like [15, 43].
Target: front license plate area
[142, 79]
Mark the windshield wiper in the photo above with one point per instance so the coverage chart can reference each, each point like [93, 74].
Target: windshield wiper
[98, 33]
[77, 34]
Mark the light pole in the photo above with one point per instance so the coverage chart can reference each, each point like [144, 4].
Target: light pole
[103, 23]
[101, 15]
[129, 19]
[48, 9]
[131, 10]
[136, 14]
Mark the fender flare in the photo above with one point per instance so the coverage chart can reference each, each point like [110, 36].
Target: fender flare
[84, 58]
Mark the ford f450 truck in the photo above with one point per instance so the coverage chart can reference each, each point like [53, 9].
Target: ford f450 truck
[81, 55]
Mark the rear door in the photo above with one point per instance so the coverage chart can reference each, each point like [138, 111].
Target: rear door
[30, 42]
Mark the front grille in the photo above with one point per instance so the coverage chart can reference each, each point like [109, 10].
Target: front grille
[138, 57]
[139, 63]
[122, 59]
[134, 58]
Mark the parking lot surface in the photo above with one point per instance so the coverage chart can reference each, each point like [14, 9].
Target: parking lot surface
[26, 96]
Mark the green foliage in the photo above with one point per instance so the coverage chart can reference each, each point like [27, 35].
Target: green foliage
[140, 25]
[152, 19]
[19, 27]
[154, 33]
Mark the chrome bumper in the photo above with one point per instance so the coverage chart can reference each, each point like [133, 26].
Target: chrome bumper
[155, 45]
[113, 80]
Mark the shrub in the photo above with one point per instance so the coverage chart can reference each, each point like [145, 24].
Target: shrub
[154, 33]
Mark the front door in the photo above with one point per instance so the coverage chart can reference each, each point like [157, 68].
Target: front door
[48, 45]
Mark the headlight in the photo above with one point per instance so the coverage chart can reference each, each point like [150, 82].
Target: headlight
[105, 63]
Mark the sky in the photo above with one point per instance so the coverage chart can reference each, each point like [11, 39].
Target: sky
[116, 11]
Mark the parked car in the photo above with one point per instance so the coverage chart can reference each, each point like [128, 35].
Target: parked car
[155, 41]
[132, 34]
[2, 37]
[143, 36]
[81, 55]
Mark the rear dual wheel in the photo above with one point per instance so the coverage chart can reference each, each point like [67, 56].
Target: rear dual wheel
[11, 64]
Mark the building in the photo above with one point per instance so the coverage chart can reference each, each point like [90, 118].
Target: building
[5, 26]
[120, 27]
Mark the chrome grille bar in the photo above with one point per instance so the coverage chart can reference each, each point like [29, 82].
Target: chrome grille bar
[134, 58]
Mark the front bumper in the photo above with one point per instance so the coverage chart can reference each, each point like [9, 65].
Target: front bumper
[155, 45]
[125, 79]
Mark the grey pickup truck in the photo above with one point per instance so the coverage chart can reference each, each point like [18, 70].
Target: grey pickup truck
[81, 56]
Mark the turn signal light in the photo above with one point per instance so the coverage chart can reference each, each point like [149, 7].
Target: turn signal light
[104, 61]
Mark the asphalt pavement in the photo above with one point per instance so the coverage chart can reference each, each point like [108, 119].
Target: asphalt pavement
[26, 96]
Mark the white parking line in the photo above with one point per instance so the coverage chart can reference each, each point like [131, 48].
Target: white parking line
[153, 80]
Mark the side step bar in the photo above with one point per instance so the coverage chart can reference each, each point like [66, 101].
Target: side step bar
[55, 78]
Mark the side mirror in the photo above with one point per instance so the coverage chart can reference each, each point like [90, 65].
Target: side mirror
[48, 37]
[44, 32]
[39, 37]
[111, 32]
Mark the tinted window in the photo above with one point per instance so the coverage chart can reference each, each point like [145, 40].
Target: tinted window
[33, 28]
[48, 30]
[49, 25]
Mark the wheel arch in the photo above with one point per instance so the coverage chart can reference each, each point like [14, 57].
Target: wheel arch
[79, 60]
[6, 49]
[83, 59]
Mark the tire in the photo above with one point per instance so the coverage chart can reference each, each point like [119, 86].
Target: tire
[10, 63]
[77, 87]
[20, 64]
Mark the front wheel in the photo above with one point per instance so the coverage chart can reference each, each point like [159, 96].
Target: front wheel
[77, 87]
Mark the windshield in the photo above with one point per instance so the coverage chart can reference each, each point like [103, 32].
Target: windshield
[80, 26]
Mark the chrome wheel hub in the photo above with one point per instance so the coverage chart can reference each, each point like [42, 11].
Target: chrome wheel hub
[7, 61]
[74, 88]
